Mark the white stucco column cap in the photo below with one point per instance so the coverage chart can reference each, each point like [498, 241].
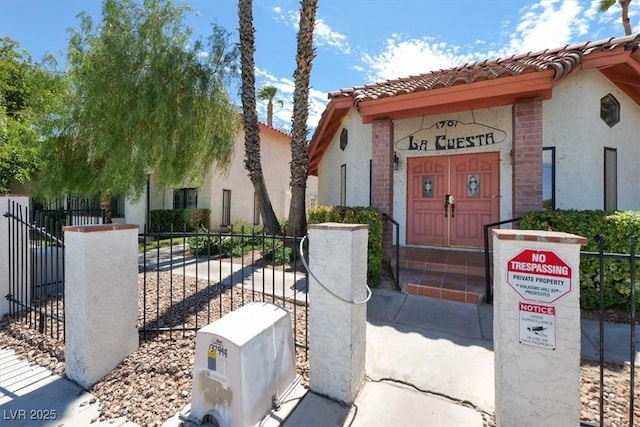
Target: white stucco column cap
[337, 226]
[540, 236]
[98, 227]
[14, 195]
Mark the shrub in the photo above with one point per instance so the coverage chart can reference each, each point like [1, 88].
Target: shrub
[616, 229]
[357, 215]
[204, 243]
[165, 220]
[279, 255]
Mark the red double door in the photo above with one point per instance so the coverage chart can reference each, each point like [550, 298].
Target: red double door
[450, 198]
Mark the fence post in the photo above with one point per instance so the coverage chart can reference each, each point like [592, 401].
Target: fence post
[337, 329]
[536, 325]
[101, 299]
[22, 202]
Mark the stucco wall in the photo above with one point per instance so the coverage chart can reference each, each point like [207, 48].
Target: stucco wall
[356, 156]
[572, 124]
[275, 153]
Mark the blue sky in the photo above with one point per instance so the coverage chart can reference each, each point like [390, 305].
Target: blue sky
[357, 41]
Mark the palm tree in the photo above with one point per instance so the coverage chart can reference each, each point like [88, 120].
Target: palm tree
[297, 224]
[250, 119]
[268, 93]
[606, 5]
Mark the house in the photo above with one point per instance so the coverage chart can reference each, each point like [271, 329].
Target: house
[446, 152]
[229, 193]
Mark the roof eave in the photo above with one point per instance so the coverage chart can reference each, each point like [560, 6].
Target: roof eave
[482, 94]
[327, 127]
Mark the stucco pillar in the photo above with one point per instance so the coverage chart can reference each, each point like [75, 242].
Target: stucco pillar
[536, 324]
[17, 237]
[382, 176]
[527, 155]
[101, 299]
[337, 328]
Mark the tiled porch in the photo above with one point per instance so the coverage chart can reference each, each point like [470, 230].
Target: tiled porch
[457, 275]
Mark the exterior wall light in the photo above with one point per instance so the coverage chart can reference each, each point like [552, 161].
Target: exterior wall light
[396, 161]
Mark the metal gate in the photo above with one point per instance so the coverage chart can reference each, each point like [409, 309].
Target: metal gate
[36, 269]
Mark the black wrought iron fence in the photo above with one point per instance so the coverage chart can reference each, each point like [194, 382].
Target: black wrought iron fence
[609, 262]
[190, 279]
[36, 271]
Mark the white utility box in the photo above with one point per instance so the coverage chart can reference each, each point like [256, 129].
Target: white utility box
[244, 362]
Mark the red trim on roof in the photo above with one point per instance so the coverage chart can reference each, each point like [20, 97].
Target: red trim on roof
[273, 131]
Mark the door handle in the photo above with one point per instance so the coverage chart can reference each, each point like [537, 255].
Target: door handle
[449, 201]
[453, 210]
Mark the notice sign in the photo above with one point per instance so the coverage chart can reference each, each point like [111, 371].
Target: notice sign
[538, 325]
[539, 275]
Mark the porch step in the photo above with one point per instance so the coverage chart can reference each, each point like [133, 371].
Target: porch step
[443, 285]
[443, 273]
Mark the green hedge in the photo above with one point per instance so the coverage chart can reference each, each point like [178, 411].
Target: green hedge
[616, 228]
[180, 219]
[357, 215]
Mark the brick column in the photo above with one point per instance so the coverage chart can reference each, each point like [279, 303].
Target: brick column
[382, 176]
[527, 155]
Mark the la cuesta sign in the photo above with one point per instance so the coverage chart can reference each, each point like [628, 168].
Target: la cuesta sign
[539, 275]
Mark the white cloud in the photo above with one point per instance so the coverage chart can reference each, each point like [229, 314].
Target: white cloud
[402, 58]
[323, 34]
[543, 25]
[549, 24]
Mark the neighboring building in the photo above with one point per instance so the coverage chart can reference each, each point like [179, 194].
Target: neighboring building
[229, 194]
[448, 151]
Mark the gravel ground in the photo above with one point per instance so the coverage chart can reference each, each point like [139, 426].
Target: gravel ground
[154, 383]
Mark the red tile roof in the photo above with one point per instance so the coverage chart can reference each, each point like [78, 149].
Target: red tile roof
[617, 58]
[562, 60]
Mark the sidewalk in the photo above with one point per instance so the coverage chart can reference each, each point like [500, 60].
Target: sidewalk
[430, 363]
[32, 396]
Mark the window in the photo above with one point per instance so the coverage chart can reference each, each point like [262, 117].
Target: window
[370, 181]
[610, 110]
[117, 207]
[610, 179]
[344, 139]
[549, 178]
[185, 198]
[343, 185]
[75, 203]
[256, 209]
[226, 207]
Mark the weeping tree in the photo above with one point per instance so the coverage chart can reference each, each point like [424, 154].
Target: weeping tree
[31, 97]
[145, 100]
[299, 158]
[253, 162]
[605, 5]
[268, 93]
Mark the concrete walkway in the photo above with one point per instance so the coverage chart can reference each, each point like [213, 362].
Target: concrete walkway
[429, 363]
[272, 281]
[32, 396]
